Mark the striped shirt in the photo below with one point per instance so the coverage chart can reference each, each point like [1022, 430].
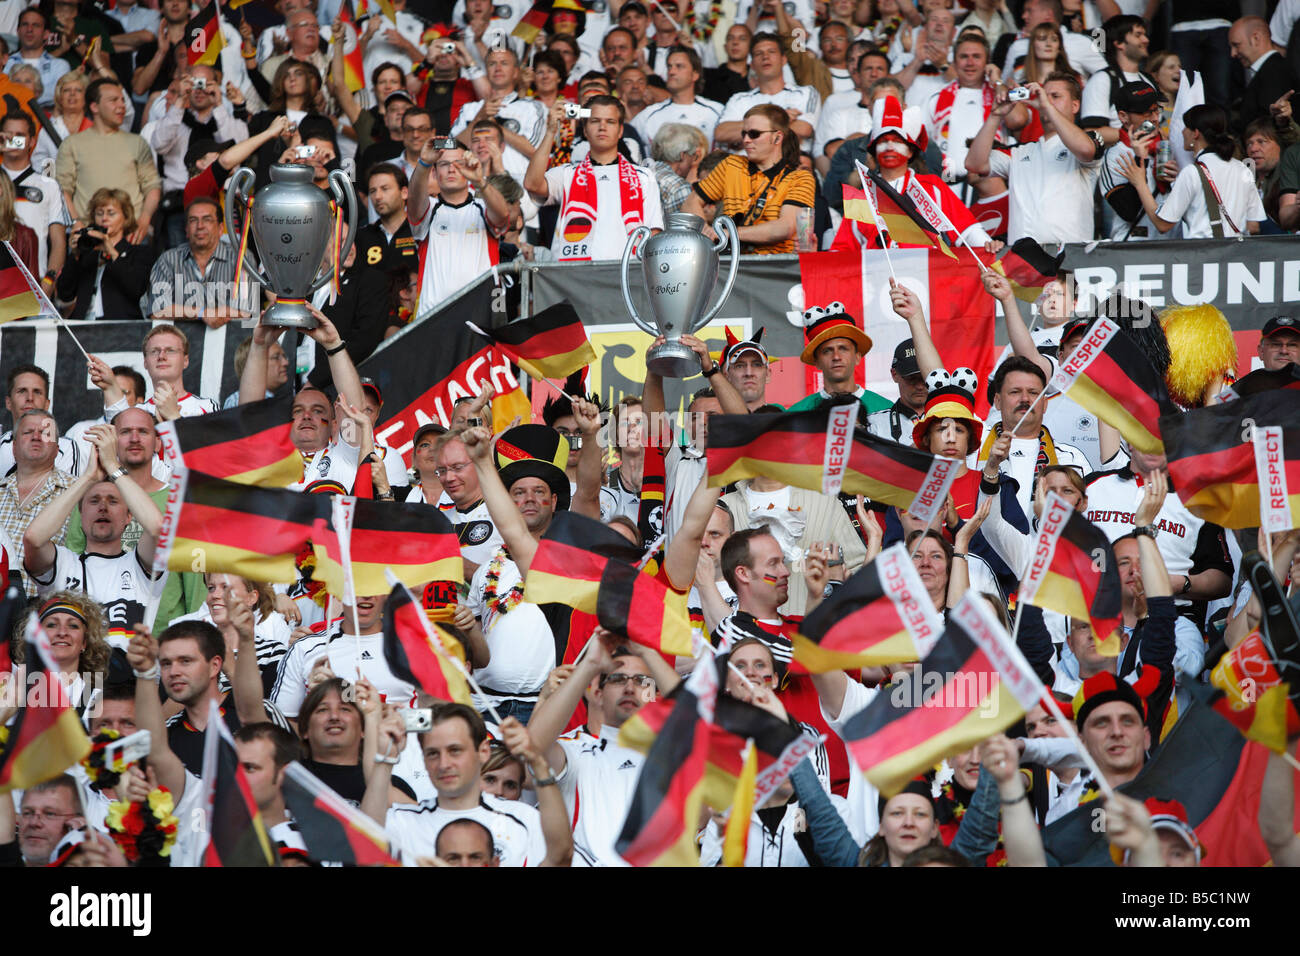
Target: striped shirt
[16, 514]
[750, 195]
[176, 281]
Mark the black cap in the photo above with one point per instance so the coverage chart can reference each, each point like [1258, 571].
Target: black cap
[202, 147]
[1073, 327]
[398, 95]
[905, 359]
[426, 429]
[367, 382]
[1278, 323]
[1137, 98]
[633, 5]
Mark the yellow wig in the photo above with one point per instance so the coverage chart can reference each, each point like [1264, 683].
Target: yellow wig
[1201, 349]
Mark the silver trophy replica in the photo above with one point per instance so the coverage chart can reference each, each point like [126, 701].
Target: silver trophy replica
[680, 269]
[292, 221]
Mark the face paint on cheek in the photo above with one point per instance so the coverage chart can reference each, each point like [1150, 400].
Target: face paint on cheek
[771, 579]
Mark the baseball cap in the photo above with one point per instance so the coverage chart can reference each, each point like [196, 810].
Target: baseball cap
[1278, 323]
[398, 95]
[905, 359]
[429, 428]
[369, 383]
[1136, 98]
[1073, 327]
[636, 5]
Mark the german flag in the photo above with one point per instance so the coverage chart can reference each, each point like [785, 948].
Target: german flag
[880, 616]
[1073, 572]
[735, 839]
[42, 741]
[412, 654]
[1212, 457]
[354, 72]
[1028, 268]
[370, 8]
[1253, 696]
[1109, 376]
[17, 297]
[778, 745]
[587, 566]
[650, 514]
[533, 22]
[796, 448]
[215, 525]
[551, 344]
[333, 829]
[414, 540]
[203, 36]
[248, 444]
[973, 684]
[236, 834]
[906, 223]
[664, 815]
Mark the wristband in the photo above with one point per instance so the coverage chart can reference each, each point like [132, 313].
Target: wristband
[713, 371]
[1011, 803]
[1187, 584]
[151, 674]
[380, 758]
[959, 554]
[337, 349]
[421, 162]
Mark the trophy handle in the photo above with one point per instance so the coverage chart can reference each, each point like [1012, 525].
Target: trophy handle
[237, 190]
[639, 235]
[343, 193]
[726, 230]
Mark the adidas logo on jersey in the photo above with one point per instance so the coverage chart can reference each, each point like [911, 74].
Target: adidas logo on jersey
[365, 656]
[627, 765]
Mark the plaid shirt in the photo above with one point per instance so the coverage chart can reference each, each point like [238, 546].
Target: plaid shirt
[16, 515]
[673, 190]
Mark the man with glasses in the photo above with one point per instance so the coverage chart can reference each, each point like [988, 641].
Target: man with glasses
[195, 280]
[48, 811]
[166, 357]
[460, 229]
[417, 127]
[597, 776]
[468, 512]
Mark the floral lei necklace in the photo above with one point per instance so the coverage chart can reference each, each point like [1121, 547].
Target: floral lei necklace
[702, 33]
[492, 580]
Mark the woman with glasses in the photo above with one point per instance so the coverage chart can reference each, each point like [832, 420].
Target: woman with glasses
[764, 190]
[105, 273]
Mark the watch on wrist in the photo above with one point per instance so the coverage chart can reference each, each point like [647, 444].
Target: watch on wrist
[1149, 530]
[337, 349]
[116, 473]
[1187, 584]
[713, 371]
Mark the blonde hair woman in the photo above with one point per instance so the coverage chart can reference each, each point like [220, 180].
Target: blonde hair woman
[21, 237]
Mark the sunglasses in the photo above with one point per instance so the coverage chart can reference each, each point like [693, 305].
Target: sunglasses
[754, 133]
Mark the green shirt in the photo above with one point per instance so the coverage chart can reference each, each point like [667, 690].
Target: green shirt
[871, 402]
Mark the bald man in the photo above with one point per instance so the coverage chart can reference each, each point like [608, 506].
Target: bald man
[1269, 76]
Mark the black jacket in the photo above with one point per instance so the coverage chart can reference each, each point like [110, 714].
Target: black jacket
[1274, 78]
[361, 315]
[125, 280]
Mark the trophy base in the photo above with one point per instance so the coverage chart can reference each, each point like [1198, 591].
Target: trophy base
[673, 360]
[289, 314]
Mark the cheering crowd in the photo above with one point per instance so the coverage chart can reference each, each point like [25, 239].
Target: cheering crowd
[476, 133]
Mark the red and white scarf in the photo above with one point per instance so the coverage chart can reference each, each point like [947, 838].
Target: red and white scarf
[947, 99]
[578, 214]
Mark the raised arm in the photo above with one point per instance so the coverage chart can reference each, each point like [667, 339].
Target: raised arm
[907, 305]
[959, 578]
[1020, 836]
[553, 713]
[1277, 811]
[252, 383]
[1075, 139]
[550, 803]
[683, 554]
[142, 507]
[514, 532]
[342, 372]
[142, 655]
[591, 466]
[392, 738]
[238, 153]
[1022, 343]
[728, 397]
[981, 147]
[248, 679]
[39, 550]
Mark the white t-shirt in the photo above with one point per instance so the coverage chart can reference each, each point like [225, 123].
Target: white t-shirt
[520, 640]
[118, 582]
[963, 123]
[863, 812]
[598, 781]
[1050, 191]
[607, 236]
[341, 649]
[38, 205]
[394, 467]
[702, 114]
[840, 121]
[190, 406]
[1022, 465]
[337, 461]
[1097, 97]
[479, 537]
[524, 117]
[516, 829]
[805, 99]
[1079, 50]
[460, 248]
[72, 455]
[1238, 197]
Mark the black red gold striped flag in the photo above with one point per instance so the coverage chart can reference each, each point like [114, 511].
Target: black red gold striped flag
[1073, 572]
[236, 834]
[778, 746]
[211, 524]
[590, 567]
[906, 223]
[203, 35]
[665, 809]
[333, 829]
[1264, 380]
[1028, 268]
[413, 540]
[18, 299]
[1212, 458]
[735, 839]
[248, 444]
[410, 652]
[881, 615]
[1109, 376]
[43, 739]
[1254, 697]
[354, 73]
[550, 344]
[973, 684]
[650, 513]
[804, 448]
[532, 22]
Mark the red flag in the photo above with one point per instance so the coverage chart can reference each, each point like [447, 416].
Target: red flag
[236, 834]
[334, 830]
